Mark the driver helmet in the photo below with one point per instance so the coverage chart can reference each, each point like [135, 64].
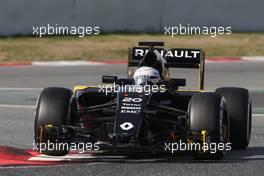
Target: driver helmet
[146, 75]
[155, 60]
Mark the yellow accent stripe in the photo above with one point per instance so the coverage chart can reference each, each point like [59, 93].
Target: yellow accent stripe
[174, 136]
[203, 132]
[204, 136]
[48, 126]
[42, 131]
[41, 134]
[76, 88]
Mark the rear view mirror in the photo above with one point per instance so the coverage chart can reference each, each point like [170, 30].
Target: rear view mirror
[124, 81]
[178, 82]
[174, 83]
[109, 79]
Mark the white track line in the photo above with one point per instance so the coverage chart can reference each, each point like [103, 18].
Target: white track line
[67, 63]
[89, 157]
[16, 106]
[20, 88]
[258, 115]
[40, 166]
[253, 58]
[72, 157]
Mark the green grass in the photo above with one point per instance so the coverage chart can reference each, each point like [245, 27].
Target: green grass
[114, 46]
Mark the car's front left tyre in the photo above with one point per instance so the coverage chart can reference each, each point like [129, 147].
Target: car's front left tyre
[240, 115]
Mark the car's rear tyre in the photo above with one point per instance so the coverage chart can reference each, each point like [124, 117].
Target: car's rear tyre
[239, 112]
[207, 111]
[53, 108]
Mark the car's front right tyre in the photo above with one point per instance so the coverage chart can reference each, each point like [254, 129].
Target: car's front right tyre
[52, 110]
[207, 114]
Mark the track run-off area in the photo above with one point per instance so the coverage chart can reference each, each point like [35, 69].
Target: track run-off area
[19, 90]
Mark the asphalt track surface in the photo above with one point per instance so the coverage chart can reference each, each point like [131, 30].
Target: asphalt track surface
[26, 82]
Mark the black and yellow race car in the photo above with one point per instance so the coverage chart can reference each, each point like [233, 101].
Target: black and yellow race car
[210, 122]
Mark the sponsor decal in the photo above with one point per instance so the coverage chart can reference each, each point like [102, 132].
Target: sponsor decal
[126, 126]
[131, 105]
[176, 53]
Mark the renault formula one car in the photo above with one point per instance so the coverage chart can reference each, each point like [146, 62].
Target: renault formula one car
[151, 121]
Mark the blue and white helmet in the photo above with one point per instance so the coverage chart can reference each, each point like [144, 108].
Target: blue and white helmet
[146, 75]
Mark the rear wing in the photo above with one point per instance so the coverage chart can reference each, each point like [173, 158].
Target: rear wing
[175, 58]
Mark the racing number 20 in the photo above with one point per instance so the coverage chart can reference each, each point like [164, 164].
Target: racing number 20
[134, 100]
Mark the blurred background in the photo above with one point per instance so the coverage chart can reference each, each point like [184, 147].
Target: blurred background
[124, 22]
[18, 16]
